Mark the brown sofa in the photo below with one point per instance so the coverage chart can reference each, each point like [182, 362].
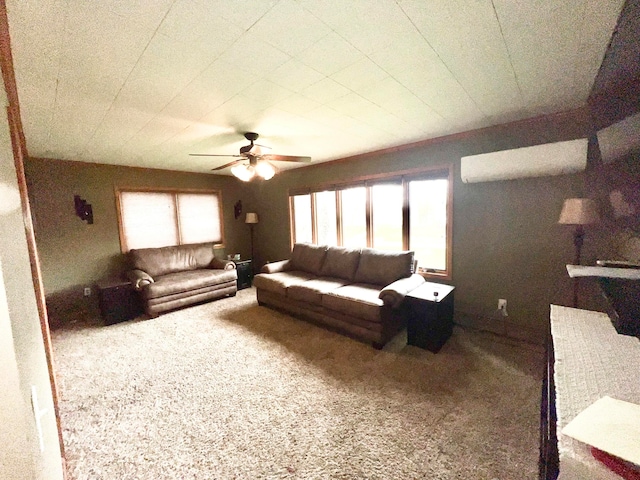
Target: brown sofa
[172, 277]
[357, 292]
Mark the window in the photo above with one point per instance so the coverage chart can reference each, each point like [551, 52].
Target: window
[428, 221]
[353, 213]
[162, 218]
[326, 218]
[406, 211]
[386, 208]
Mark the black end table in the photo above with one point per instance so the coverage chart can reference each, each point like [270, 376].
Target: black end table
[245, 273]
[430, 321]
[118, 301]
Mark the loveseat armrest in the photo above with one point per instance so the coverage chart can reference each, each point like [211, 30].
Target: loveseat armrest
[394, 293]
[222, 264]
[274, 267]
[139, 279]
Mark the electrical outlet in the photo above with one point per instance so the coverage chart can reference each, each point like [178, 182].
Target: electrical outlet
[502, 306]
[87, 291]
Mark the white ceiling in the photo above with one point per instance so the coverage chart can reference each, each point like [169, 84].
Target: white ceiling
[145, 83]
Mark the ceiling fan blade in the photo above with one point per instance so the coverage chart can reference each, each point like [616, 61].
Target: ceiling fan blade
[284, 158]
[214, 155]
[222, 167]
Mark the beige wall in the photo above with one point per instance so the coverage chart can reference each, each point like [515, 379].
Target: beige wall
[75, 254]
[23, 362]
[506, 242]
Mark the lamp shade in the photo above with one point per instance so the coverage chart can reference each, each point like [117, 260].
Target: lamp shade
[243, 172]
[579, 211]
[251, 218]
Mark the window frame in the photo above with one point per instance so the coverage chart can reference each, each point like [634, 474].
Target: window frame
[174, 192]
[443, 171]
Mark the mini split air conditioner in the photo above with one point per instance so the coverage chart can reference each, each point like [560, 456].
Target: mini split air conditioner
[537, 161]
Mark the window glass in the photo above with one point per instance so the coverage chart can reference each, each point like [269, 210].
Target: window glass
[148, 219]
[386, 205]
[326, 226]
[160, 219]
[354, 217]
[302, 219]
[428, 222]
[198, 214]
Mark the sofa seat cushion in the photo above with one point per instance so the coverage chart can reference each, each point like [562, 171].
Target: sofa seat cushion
[311, 291]
[279, 282]
[178, 282]
[358, 299]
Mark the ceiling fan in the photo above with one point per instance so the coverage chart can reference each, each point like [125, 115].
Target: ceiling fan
[258, 157]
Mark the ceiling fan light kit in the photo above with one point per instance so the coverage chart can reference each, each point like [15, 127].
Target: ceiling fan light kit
[257, 156]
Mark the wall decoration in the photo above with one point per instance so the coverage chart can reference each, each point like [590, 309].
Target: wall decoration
[83, 209]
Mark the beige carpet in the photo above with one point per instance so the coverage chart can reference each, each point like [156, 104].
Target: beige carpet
[231, 390]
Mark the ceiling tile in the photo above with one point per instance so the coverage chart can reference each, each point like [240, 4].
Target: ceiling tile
[368, 26]
[264, 93]
[294, 75]
[297, 104]
[254, 55]
[467, 38]
[289, 28]
[147, 82]
[325, 90]
[213, 87]
[359, 75]
[330, 54]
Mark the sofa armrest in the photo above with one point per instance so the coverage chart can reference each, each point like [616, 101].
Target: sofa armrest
[222, 264]
[139, 279]
[274, 267]
[394, 293]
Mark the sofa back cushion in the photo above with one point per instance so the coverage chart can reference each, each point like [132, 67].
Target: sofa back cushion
[160, 261]
[340, 262]
[307, 257]
[382, 268]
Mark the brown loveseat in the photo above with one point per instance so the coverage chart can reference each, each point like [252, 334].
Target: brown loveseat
[358, 292]
[173, 277]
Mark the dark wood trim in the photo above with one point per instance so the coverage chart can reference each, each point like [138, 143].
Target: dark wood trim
[292, 222]
[19, 147]
[528, 123]
[366, 180]
[369, 216]
[339, 216]
[401, 178]
[406, 218]
[124, 248]
[314, 223]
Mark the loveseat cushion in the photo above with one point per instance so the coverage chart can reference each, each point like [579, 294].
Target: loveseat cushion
[307, 257]
[279, 282]
[358, 299]
[340, 262]
[178, 258]
[178, 282]
[382, 268]
[311, 291]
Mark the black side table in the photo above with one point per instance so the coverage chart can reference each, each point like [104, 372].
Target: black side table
[118, 301]
[245, 273]
[430, 322]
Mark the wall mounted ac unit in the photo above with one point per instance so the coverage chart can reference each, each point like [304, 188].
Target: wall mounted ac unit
[620, 138]
[537, 161]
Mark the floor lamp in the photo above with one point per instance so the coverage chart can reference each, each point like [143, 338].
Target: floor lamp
[251, 219]
[578, 212]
